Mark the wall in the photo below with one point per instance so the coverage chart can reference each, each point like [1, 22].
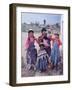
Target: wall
[4, 44]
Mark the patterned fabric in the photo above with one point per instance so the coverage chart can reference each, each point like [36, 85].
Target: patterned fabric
[42, 60]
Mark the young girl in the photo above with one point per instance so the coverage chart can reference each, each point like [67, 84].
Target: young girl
[55, 52]
[31, 54]
[42, 59]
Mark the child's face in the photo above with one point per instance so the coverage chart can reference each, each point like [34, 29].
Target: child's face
[56, 36]
[41, 47]
[31, 34]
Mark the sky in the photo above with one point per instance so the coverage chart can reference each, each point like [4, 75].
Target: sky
[39, 17]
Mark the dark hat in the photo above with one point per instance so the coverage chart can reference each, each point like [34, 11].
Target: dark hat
[56, 34]
[43, 29]
[30, 31]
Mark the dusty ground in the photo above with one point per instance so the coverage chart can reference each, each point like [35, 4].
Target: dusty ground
[25, 72]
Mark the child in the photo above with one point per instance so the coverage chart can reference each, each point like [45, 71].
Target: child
[42, 59]
[55, 52]
[31, 54]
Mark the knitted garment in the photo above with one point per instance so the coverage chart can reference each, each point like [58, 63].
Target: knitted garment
[42, 60]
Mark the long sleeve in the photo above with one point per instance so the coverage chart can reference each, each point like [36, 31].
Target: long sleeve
[27, 44]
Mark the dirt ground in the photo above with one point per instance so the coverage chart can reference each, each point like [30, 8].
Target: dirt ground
[26, 72]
